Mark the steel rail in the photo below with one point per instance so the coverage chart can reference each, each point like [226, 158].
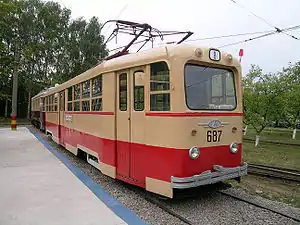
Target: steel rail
[260, 206]
[169, 211]
[272, 142]
[183, 219]
[275, 172]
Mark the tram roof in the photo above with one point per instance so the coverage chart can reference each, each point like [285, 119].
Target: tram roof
[133, 60]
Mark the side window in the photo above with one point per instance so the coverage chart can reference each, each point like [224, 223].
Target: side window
[46, 103]
[123, 92]
[76, 103]
[85, 105]
[77, 106]
[86, 89]
[62, 101]
[159, 87]
[70, 98]
[50, 103]
[86, 96]
[76, 91]
[97, 93]
[139, 77]
[55, 102]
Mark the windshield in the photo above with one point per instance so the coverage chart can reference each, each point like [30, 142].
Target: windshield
[209, 88]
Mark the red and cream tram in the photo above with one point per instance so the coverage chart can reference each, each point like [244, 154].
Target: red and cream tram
[162, 119]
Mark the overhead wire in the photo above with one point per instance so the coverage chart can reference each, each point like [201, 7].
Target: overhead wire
[261, 36]
[117, 17]
[229, 35]
[262, 19]
[244, 8]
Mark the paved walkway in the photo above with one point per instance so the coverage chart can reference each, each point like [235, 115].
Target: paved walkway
[37, 188]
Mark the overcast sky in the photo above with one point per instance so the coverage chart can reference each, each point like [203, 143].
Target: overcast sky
[208, 18]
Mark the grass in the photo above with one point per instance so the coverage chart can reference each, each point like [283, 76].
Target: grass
[272, 154]
[273, 189]
[4, 119]
[281, 155]
[274, 134]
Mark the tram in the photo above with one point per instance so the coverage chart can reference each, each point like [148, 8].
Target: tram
[163, 119]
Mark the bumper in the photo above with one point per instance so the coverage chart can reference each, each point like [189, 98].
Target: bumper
[209, 177]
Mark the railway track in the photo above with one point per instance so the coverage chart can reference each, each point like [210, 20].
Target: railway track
[156, 202]
[159, 202]
[273, 142]
[257, 204]
[274, 172]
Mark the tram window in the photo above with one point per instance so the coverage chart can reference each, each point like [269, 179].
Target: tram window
[160, 79]
[123, 92]
[209, 88]
[50, 99]
[85, 105]
[160, 102]
[44, 104]
[70, 94]
[62, 101]
[97, 86]
[86, 89]
[139, 77]
[70, 106]
[97, 104]
[76, 91]
[77, 106]
[159, 87]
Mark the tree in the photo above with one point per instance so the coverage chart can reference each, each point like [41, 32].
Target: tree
[261, 99]
[41, 43]
[291, 102]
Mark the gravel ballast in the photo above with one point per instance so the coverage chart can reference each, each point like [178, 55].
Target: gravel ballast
[208, 208]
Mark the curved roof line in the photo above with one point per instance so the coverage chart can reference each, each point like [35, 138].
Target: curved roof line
[135, 59]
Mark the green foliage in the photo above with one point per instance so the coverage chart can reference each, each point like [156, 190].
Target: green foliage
[291, 97]
[41, 42]
[271, 98]
[261, 98]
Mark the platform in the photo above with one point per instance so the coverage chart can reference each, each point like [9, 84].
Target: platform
[40, 187]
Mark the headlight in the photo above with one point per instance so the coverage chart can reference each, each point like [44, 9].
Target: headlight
[234, 147]
[194, 152]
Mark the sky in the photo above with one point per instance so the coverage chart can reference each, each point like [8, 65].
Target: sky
[208, 18]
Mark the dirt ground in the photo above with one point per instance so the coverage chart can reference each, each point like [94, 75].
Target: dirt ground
[273, 189]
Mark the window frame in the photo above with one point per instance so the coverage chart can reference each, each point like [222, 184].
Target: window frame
[62, 102]
[159, 92]
[134, 86]
[72, 99]
[96, 97]
[234, 73]
[119, 76]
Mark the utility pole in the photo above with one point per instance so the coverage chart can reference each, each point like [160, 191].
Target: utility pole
[6, 106]
[15, 91]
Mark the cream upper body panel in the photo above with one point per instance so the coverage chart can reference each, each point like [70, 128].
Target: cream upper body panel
[185, 132]
[171, 53]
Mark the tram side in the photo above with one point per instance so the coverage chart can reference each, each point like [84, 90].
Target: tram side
[137, 121]
[77, 119]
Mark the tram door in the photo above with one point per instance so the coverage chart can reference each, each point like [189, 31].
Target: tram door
[61, 109]
[130, 121]
[123, 114]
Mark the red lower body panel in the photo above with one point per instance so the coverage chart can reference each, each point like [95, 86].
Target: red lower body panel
[149, 161]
